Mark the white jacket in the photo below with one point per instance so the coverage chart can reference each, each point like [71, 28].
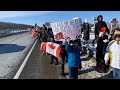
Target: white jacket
[114, 49]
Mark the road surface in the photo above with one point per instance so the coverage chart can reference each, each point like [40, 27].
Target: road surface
[38, 66]
[13, 50]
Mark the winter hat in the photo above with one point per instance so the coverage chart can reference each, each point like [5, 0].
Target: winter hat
[116, 34]
[103, 29]
[118, 29]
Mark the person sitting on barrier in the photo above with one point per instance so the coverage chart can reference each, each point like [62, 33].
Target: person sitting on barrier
[73, 59]
[100, 50]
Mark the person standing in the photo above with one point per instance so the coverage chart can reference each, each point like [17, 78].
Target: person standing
[98, 27]
[63, 55]
[86, 31]
[73, 59]
[100, 50]
[114, 51]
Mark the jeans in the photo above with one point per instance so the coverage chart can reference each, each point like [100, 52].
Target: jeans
[73, 72]
[116, 73]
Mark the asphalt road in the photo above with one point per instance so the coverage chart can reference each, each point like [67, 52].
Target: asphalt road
[38, 66]
[13, 50]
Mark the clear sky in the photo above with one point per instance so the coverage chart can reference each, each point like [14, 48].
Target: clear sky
[39, 17]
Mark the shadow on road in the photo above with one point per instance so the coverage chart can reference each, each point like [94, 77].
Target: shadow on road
[108, 76]
[10, 48]
[85, 71]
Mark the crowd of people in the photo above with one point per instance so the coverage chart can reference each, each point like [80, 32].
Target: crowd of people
[107, 50]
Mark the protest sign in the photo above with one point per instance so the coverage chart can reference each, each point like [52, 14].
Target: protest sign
[62, 30]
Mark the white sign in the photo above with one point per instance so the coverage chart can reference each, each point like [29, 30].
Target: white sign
[62, 30]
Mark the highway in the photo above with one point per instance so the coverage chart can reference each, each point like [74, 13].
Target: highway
[13, 50]
[38, 66]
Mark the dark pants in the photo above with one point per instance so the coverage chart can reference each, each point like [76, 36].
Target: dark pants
[85, 42]
[73, 72]
[53, 57]
[39, 38]
[62, 65]
[96, 39]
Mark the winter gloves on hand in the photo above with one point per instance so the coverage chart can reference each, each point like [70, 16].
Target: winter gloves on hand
[101, 33]
[105, 41]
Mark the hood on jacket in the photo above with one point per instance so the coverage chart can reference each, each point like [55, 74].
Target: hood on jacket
[99, 17]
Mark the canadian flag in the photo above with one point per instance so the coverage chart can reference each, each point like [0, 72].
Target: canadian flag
[51, 48]
[33, 33]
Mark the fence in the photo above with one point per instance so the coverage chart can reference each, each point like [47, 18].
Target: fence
[11, 32]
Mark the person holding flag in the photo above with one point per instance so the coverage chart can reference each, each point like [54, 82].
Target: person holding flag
[100, 50]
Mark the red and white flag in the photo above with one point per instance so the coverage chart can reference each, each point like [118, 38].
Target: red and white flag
[33, 33]
[51, 48]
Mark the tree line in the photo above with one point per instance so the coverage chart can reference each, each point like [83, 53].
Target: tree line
[14, 26]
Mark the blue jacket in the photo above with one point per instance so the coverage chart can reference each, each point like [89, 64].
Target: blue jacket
[73, 56]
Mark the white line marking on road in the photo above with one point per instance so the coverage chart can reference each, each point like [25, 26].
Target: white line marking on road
[24, 62]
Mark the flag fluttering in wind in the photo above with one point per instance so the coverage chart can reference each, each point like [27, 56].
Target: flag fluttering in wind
[33, 33]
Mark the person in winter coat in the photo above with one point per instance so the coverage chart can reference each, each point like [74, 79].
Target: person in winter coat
[86, 31]
[63, 55]
[66, 46]
[53, 57]
[100, 50]
[50, 35]
[73, 59]
[113, 51]
[98, 27]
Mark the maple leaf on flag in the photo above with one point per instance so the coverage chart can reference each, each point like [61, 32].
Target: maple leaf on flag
[59, 35]
[51, 46]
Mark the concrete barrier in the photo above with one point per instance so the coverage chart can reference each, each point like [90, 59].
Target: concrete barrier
[4, 33]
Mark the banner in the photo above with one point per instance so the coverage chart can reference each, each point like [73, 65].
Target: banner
[51, 48]
[62, 30]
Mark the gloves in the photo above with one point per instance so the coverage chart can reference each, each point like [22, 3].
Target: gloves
[105, 41]
[100, 35]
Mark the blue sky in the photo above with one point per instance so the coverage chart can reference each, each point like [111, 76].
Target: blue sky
[39, 17]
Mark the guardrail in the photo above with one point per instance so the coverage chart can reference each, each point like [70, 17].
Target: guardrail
[11, 32]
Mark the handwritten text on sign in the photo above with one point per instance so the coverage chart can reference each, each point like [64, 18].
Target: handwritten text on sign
[62, 30]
